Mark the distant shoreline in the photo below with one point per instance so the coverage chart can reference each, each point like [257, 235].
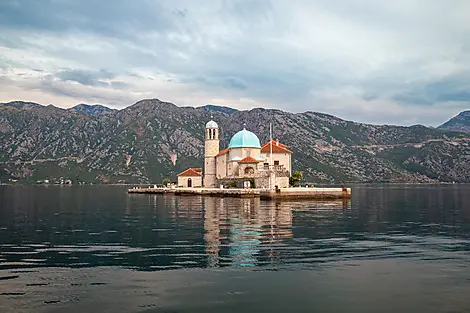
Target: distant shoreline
[318, 184]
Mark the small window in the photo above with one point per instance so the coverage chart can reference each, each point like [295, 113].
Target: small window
[248, 153]
[276, 162]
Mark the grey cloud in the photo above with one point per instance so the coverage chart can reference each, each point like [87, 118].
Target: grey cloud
[231, 68]
[215, 81]
[119, 85]
[236, 83]
[4, 80]
[10, 43]
[87, 78]
[180, 13]
[48, 84]
[454, 88]
[118, 19]
[268, 51]
[64, 88]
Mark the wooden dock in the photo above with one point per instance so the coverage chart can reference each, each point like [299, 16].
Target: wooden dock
[268, 194]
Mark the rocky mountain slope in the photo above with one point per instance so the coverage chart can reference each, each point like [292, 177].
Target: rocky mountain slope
[94, 110]
[151, 140]
[460, 123]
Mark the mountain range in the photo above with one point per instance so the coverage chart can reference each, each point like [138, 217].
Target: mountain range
[152, 140]
[459, 123]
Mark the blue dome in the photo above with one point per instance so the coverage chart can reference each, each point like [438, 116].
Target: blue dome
[244, 139]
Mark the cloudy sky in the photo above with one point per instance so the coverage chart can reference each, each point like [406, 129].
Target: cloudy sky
[400, 62]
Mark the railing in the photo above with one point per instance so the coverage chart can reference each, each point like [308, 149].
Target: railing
[273, 167]
[262, 171]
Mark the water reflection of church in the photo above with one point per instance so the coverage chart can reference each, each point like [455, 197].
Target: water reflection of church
[239, 231]
[243, 231]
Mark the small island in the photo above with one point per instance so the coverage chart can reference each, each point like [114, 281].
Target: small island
[244, 169]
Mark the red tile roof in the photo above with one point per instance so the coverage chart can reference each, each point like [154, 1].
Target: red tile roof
[277, 147]
[197, 169]
[222, 152]
[248, 160]
[276, 143]
[190, 172]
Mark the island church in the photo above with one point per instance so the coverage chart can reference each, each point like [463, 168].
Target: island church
[245, 159]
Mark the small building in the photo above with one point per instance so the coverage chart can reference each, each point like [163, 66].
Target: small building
[192, 177]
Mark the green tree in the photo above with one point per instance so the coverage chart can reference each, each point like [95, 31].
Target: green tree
[295, 178]
[165, 182]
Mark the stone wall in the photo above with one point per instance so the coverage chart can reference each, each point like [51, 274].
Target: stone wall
[279, 181]
[209, 172]
[222, 165]
[211, 148]
[195, 180]
[234, 182]
[282, 182]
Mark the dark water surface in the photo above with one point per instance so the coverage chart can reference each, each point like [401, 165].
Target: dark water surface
[98, 249]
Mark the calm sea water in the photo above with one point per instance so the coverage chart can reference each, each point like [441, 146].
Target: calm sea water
[98, 249]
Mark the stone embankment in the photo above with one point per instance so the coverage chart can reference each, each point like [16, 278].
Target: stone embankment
[268, 194]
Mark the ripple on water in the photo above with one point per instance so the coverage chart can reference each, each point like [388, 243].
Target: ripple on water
[34, 260]
[13, 264]
[9, 277]
[97, 284]
[37, 245]
[12, 294]
[19, 252]
[51, 301]
[37, 284]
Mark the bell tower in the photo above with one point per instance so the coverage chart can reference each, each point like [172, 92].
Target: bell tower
[211, 149]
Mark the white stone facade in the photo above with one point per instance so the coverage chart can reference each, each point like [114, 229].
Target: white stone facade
[189, 181]
[245, 158]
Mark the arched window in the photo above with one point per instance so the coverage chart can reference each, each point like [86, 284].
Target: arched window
[249, 170]
[190, 182]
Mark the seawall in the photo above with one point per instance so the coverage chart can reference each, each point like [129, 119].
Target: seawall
[306, 193]
[283, 193]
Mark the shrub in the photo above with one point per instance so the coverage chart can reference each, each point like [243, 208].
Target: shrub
[295, 178]
[165, 182]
